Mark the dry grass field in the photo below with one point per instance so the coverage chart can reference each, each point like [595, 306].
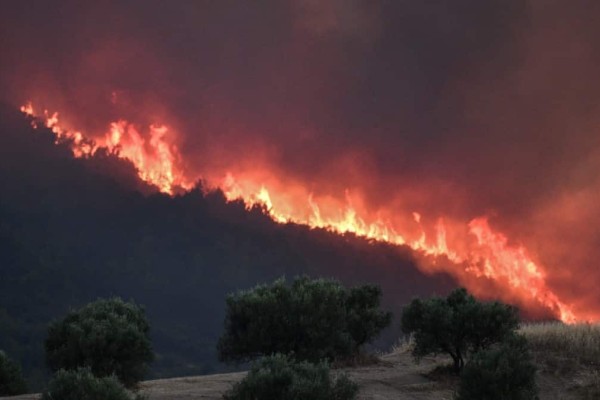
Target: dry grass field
[568, 359]
[567, 356]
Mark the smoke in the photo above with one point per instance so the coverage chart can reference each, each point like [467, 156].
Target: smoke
[455, 109]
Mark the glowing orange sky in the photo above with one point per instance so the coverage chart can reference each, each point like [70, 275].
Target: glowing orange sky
[481, 252]
[466, 130]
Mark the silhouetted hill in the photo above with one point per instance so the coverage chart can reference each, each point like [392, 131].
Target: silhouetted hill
[72, 230]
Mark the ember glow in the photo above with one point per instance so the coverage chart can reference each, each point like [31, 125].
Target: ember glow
[156, 161]
[468, 250]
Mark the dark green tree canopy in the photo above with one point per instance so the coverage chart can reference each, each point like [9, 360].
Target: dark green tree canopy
[502, 372]
[458, 325]
[81, 384]
[365, 320]
[111, 337]
[279, 377]
[312, 319]
[11, 379]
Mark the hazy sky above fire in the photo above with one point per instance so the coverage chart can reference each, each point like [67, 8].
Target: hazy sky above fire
[456, 109]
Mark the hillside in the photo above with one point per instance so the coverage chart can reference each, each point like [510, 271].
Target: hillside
[73, 230]
[396, 377]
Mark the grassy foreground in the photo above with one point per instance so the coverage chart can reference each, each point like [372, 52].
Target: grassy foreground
[567, 355]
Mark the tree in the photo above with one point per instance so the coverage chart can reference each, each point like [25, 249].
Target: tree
[108, 336]
[364, 318]
[311, 319]
[280, 377]
[458, 325]
[11, 379]
[81, 384]
[502, 372]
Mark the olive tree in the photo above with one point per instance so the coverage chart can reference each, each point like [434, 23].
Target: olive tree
[111, 337]
[81, 384]
[279, 377]
[502, 372]
[11, 379]
[457, 325]
[311, 319]
[364, 318]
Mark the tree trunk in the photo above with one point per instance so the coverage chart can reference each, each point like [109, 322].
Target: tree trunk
[459, 363]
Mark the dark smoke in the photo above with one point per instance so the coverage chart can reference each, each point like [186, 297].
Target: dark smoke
[461, 108]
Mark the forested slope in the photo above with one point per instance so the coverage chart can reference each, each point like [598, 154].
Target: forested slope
[72, 230]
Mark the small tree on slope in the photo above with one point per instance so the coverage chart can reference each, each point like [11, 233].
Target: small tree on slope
[458, 325]
[311, 319]
[278, 377]
[502, 372]
[81, 384]
[11, 380]
[111, 337]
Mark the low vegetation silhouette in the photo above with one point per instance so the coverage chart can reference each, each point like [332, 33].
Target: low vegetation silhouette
[311, 319]
[11, 379]
[457, 325]
[279, 377]
[482, 334]
[82, 384]
[108, 336]
[504, 371]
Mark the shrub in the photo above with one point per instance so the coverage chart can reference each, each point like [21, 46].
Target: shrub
[81, 384]
[279, 377]
[11, 379]
[365, 320]
[108, 336]
[503, 372]
[313, 319]
[458, 325]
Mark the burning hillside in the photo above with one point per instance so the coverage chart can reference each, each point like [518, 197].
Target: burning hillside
[480, 252]
[467, 132]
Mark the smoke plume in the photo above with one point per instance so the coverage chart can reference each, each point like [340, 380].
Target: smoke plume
[471, 124]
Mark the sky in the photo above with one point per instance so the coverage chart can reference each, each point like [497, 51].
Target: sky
[455, 110]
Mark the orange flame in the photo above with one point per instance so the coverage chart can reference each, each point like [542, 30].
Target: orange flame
[489, 255]
[156, 161]
[475, 250]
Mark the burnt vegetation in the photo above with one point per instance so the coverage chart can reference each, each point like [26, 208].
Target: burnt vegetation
[71, 232]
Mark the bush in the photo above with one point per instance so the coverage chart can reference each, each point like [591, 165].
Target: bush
[108, 336]
[311, 319]
[81, 384]
[458, 325]
[365, 320]
[11, 379]
[280, 377]
[503, 372]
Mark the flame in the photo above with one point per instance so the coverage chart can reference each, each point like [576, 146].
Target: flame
[475, 250]
[156, 161]
[489, 255]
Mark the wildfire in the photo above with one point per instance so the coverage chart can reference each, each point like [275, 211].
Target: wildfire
[156, 161]
[475, 250]
[487, 253]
